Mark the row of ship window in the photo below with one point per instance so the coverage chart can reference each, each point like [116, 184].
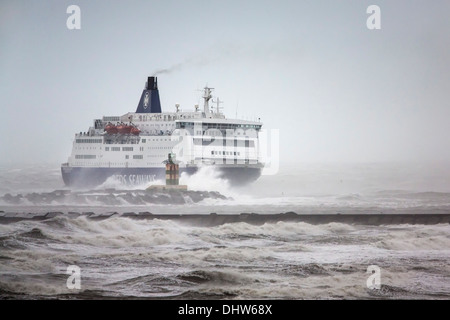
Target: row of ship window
[101, 141]
[112, 164]
[131, 148]
[225, 153]
[157, 125]
[140, 156]
[93, 156]
[196, 141]
[89, 140]
[89, 156]
[158, 118]
[182, 125]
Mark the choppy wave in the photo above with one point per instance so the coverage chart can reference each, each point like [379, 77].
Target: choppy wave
[213, 201]
[124, 257]
[423, 238]
[126, 249]
[109, 197]
[318, 186]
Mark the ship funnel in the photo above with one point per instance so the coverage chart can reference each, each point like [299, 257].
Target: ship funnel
[150, 102]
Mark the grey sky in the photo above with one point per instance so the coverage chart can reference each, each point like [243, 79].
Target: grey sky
[336, 90]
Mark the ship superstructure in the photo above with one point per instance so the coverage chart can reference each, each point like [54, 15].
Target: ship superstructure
[132, 148]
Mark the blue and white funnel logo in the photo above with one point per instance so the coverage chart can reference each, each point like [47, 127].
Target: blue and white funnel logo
[146, 98]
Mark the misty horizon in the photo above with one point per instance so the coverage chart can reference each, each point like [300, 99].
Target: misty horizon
[337, 91]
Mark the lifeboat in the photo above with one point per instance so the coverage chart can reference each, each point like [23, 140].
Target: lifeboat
[124, 129]
[111, 129]
[135, 131]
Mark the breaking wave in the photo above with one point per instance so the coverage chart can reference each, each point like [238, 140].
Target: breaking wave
[417, 238]
[124, 257]
[127, 243]
[206, 178]
[115, 183]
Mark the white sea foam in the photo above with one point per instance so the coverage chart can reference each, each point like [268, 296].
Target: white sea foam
[272, 260]
[118, 232]
[417, 238]
[207, 178]
[236, 260]
[115, 183]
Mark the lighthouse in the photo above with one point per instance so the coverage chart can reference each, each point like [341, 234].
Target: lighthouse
[172, 175]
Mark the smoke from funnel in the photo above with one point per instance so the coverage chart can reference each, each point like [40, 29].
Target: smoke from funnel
[194, 61]
[230, 53]
[213, 55]
[171, 69]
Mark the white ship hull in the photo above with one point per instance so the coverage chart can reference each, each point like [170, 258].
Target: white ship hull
[132, 148]
[87, 177]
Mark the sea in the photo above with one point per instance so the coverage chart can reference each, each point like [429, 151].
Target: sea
[72, 256]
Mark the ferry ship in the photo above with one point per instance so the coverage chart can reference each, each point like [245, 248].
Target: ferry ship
[132, 148]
